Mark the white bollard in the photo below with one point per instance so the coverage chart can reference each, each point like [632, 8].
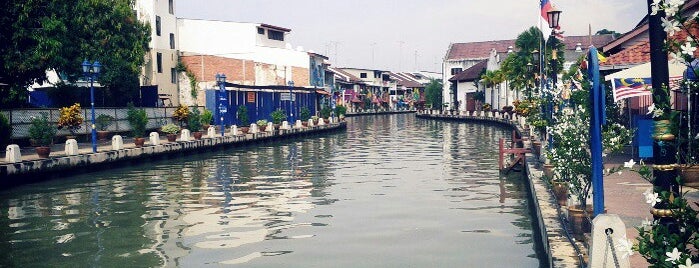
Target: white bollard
[211, 132]
[321, 121]
[154, 138]
[234, 130]
[185, 135]
[117, 142]
[285, 125]
[13, 154]
[600, 252]
[299, 124]
[253, 128]
[71, 147]
[270, 127]
[310, 122]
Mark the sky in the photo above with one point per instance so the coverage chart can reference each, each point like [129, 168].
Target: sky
[409, 35]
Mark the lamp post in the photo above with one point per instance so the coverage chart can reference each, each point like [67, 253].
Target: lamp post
[553, 16]
[536, 58]
[92, 71]
[530, 68]
[222, 108]
[291, 100]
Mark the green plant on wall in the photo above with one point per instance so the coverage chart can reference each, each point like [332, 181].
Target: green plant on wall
[278, 116]
[192, 78]
[305, 114]
[243, 117]
[340, 110]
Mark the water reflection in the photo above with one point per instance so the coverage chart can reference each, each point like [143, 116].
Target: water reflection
[392, 191]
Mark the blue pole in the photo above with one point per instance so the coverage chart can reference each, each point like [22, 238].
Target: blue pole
[221, 99]
[92, 105]
[596, 122]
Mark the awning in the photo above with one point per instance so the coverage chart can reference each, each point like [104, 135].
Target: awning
[643, 71]
[322, 92]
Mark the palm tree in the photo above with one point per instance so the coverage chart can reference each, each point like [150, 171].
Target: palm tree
[488, 79]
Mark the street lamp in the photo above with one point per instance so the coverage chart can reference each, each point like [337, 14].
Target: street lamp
[222, 108]
[92, 71]
[291, 99]
[553, 15]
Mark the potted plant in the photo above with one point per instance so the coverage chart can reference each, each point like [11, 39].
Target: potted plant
[278, 116]
[170, 131]
[340, 111]
[102, 122]
[41, 133]
[181, 114]
[304, 115]
[71, 118]
[243, 119]
[325, 113]
[194, 123]
[262, 124]
[206, 118]
[5, 131]
[138, 119]
[315, 120]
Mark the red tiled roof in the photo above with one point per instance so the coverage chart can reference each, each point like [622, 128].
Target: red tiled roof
[637, 54]
[470, 74]
[481, 50]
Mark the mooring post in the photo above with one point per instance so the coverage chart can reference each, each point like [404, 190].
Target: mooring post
[502, 152]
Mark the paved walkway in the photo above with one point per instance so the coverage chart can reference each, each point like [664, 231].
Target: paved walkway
[623, 195]
[84, 147]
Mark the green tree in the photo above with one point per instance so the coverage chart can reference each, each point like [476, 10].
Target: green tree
[39, 35]
[515, 65]
[433, 93]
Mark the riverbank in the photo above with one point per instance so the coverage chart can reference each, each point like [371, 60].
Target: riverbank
[32, 168]
[379, 112]
[561, 251]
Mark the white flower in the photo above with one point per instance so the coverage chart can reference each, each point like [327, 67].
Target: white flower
[651, 197]
[677, 58]
[651, 108]
[688, 49]
[629, 164]
[688, 264]
[673, 256]
[654, 9]
[670, 26]
[625, 247]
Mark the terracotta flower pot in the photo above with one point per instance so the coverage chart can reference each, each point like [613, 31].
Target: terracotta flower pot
[560, 190]
[548, 170]
[43, 151]
[578, 220]
[262, 128]
[245, 130]
[305, 123]
[103, 135]
[327, 121]
[139, 141]
[197, 135]
[171, 137]
[689, 175]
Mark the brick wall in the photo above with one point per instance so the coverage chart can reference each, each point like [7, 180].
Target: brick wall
[236, 70]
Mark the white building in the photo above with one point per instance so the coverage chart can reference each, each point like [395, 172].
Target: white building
[161, 61]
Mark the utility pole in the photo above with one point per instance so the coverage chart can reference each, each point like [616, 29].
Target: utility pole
[663, 140]
[373, 48]
[400, 56]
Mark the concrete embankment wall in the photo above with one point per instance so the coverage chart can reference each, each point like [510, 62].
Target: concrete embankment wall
[559, 249]
[36, 169]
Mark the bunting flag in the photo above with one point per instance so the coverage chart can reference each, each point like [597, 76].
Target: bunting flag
[624, 88]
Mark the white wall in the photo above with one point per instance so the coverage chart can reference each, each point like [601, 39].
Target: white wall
[446, 74]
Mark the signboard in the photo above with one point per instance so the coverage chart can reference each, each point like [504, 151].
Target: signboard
[222, 109]
[251, 97]
[286, 96]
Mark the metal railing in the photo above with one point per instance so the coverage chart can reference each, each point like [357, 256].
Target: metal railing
[20, 119]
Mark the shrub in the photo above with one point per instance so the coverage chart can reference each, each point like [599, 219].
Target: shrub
[206, 117]
[262, 122]
[137, 120]
[325, 112]
[242, 114]
[71, 118]
[181, 114]
[5, 131]
[278, 116]
[194, 120]
[103, 121]
[305, 114]
[170, 128]
[340, 110]
[41, 131]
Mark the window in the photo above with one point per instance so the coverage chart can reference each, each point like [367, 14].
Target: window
[260, 30]
[455, 71]
[173, 75]
[171, 6]
[172, 41]
[159, 61]
[275, 35]
[157, 25]
[362, 75]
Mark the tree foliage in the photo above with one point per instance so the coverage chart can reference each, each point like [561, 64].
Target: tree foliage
[515, 65]
[40, 35]
[433, 93]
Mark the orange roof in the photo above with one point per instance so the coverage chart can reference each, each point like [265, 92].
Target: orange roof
[637, 54]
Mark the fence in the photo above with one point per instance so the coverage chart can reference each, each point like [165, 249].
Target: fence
[20, 119]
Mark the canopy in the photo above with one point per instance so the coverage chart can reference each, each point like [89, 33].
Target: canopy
[643, 71]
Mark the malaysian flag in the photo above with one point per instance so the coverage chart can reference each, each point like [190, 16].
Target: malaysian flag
[624, 88]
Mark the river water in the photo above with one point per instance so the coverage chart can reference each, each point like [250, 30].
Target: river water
[391, 191]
